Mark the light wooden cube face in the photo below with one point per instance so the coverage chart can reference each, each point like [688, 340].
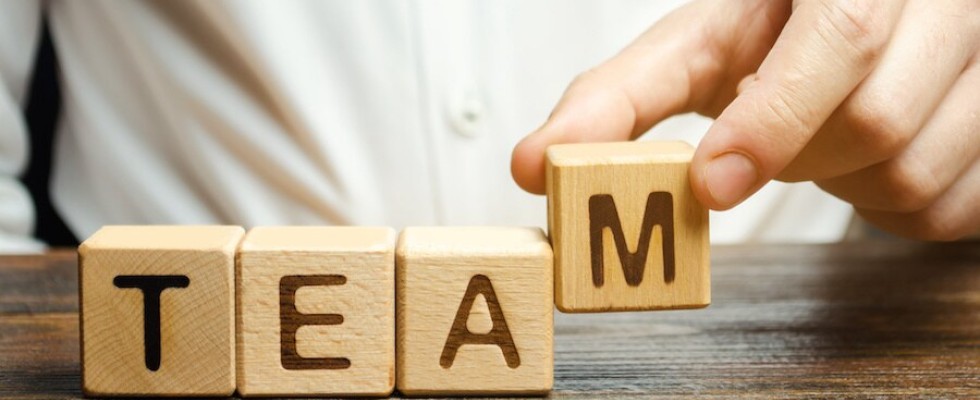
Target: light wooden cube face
[157, 310]
[475, 311]
[316, 311]
[627, 231]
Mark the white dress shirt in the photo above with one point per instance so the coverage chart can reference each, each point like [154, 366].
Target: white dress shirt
[322, 112]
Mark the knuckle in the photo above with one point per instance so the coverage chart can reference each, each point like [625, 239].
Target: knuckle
[785, 110]
[585, 79]
[860, 24]
[911, 186]
[880, 127]
[935, 225]
[931, 224]
[939, 230]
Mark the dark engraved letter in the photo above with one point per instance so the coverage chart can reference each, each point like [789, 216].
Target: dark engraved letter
[151, 286]
[499, 335]
[290, 320]
[603, 214]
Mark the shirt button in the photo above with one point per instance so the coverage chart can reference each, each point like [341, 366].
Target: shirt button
[467, 113]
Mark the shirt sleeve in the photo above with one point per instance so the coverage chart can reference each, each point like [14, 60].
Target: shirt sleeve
[19, 33]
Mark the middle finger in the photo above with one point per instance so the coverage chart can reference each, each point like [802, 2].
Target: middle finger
[926, 55]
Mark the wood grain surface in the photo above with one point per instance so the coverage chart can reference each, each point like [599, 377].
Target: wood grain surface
[627, 232]
[158, 310]
[859, 320]
[332, 330]
[505, 346]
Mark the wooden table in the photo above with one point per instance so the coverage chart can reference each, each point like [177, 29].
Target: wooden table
[851, 320]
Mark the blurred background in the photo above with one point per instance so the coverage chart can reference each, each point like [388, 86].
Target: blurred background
[43, 107]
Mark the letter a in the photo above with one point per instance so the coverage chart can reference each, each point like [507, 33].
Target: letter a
[499, 335]
[603, 214]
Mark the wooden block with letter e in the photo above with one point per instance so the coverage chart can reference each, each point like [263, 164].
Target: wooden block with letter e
[475, 311]
[316, 311]
[627, 231]
[157, 310]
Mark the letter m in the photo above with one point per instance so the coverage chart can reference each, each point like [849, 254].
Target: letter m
[603, 214]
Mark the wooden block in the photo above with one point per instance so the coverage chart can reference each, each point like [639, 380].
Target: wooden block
[474, 311]
[627, 231]
[157, 310]
[316, 311]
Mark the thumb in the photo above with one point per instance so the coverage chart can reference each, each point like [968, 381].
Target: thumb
[823, 53]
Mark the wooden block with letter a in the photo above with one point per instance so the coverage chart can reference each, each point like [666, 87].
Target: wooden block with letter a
[316, 311]
[475, 311]
[627, 232]
[157, 310]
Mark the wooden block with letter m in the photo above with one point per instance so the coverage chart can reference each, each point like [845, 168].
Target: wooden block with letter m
[157, 310]
[627, 231]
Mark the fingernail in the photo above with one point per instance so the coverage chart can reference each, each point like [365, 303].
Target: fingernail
[729, 177]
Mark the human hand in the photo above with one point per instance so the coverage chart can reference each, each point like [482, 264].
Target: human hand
[876, 101]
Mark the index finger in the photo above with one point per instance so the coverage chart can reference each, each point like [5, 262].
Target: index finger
[668, 69]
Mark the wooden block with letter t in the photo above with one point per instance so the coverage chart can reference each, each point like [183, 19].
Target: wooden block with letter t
[157, 310]
[475, 311]
[316, 311]
[627, 232]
